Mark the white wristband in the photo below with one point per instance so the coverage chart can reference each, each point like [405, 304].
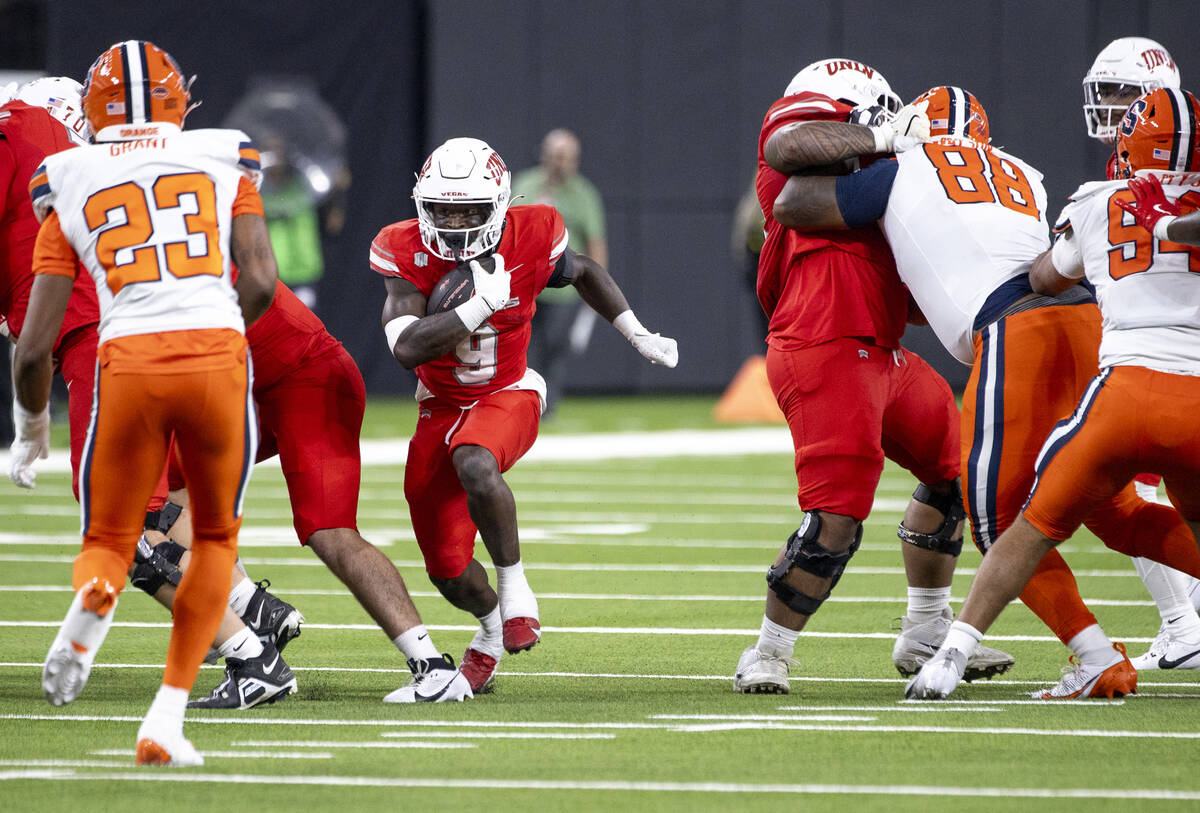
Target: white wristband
[628, 325]
[883, 137]
[474, 312]
[1160, 228]
[395, 327]
[28, 422]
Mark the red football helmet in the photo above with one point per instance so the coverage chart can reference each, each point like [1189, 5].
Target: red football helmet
[1159, 132]
[135, 82]
[954, 111]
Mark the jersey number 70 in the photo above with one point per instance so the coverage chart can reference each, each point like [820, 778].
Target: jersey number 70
[127, 221]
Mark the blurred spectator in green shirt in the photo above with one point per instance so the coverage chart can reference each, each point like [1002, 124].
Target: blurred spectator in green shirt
[562, 325]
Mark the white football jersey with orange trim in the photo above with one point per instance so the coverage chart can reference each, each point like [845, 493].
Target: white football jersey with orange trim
[150, 217]
[957, 232]
[1148, 289]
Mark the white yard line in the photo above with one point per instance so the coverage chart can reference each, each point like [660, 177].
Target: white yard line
[893, 729]
[63, 774]
[129, 752]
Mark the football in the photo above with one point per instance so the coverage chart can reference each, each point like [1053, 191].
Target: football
[453, 289]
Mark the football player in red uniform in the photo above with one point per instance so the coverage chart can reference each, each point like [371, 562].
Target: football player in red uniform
[479, 404]
[851, 395]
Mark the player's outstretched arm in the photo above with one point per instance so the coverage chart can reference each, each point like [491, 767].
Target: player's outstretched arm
[250, 246]
[828, 144]
[600, 291]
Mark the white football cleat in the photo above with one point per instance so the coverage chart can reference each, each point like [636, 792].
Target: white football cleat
[69, 661]
[760, 673]
[435, 680]
[1167, 653]
[917, 643]
[938, 677]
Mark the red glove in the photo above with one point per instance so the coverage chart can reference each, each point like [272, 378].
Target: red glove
[1150, 204]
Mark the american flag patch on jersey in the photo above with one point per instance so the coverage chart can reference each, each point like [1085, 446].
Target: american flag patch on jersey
[115, 108]
[1162, 155]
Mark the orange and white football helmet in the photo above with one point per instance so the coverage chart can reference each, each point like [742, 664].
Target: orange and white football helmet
[1124, 70]
[956, 112]
[135, 82]
[1159, 131]
[847, 81]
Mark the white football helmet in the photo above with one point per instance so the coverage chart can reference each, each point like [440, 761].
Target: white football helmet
[62, 97]
[845, 80]
[463, 170]
[1123, 71]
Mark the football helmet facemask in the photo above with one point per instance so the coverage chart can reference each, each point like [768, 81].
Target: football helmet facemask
[847, 81]
[1127, 68]
[956, 112]
[61, 97]
[1159, 131]
[135, 82]
[463, 171]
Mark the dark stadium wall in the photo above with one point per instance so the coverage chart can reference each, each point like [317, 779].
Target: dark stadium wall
[667, 98]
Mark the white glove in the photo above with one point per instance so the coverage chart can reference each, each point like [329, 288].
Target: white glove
[909, 128]
[492, 286]
[4, 331]
[658, 349]
[32, 443]
[940, 676]
[491, 293]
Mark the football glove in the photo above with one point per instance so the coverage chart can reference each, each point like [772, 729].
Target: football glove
[32, 443]
[907, 129]
[656, 348]
[940, 676]
[1150, 207]
[491, 293]
[869, 115]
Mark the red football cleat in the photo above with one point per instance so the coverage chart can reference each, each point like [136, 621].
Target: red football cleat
[479, 670]
[520, 634]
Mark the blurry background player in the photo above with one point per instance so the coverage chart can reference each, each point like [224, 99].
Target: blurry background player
[172, 357]
[1139, 412]
[479, 402]
[1124, 70]
[851, 396]
[562, 325]
[310, 399]
[964, 246]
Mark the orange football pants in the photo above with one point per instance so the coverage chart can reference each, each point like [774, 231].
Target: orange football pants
[1130, 420]
[194, 384]
[1030, 369]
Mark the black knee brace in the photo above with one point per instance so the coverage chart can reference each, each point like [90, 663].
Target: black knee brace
[162, 519]
[156, 566]
[803, 551]
[940, 540]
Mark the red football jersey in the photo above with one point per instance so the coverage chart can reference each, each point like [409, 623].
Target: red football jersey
[27, 135]
[284, 337]
[493, 357]
[854, 292]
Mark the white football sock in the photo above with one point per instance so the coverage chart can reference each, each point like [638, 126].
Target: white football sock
[489, 638]
[1093, 647]
[516, 596]
[416, 644]
[927, 603]
[166, 712]
[85, 628]
[776, 640]
[243, 644]
[240, 595]
[963, 637]
[1172, 592]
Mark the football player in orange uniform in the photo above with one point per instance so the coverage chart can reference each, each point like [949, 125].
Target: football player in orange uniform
[1123, 70]
[157, 215]
[1138, 414]
[479, 404]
